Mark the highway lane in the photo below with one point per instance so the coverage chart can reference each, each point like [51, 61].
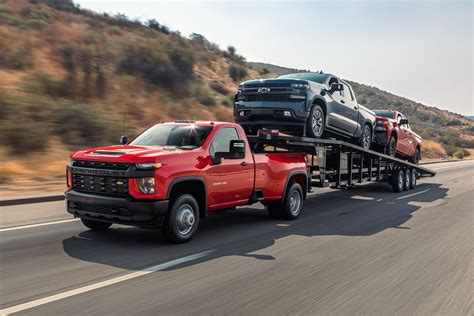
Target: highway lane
[352, 251]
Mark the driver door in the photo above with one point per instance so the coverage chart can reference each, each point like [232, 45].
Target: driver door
[231, 181]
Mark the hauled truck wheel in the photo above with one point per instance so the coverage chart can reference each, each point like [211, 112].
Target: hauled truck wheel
[95, 225]
[290, 207]
[398, 180]
[182, 220]
[315, 122]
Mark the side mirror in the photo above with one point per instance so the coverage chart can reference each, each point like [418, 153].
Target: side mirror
[403, 121]
[124, 140]
[336, 87]
[236, 151]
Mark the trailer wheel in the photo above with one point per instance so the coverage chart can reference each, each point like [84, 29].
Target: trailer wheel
[95, 225]
[291, 206]
[413, 177]
[398, 180]
[182, 219]
[407, 178]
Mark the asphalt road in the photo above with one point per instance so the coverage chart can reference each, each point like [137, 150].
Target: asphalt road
[361, 251]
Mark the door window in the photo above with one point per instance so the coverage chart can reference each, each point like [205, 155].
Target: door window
[347, 92]
[221, 142]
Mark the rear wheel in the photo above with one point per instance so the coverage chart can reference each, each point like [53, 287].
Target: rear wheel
[398, 180]
[413, 177]
[315, 122]
[365, 139]
[407, 180]
[95, 225]
[290, 207]
[182, 220]
[391, 148]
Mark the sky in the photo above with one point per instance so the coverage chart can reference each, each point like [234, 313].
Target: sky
[421, 50]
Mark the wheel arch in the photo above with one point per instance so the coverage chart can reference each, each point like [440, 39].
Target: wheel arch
[298, 176]
[195, 186]
[319, 101]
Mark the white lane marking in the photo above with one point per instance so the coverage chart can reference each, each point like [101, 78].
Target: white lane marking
[87, 288]
[410, 195]
[38, 225]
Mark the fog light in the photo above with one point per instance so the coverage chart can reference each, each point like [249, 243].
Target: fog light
[146, 185]
[242, 113]
[286, 113]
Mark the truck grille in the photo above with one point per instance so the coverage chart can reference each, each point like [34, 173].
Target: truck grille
[268, 97]
[268, 85]
[100, 165]
[103, 185]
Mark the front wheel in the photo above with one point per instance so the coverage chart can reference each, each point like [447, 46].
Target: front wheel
[95, 225]
[182, 220]
[391, 148]
[315, 122]
[365, 139]
[290, 207]
[416, 157]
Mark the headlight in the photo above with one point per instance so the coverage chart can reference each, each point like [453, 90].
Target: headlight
[149, 165]
[300, 85]
[146, 185]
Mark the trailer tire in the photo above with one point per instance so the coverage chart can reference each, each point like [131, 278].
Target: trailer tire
[398, 180]
[407, 179]
[413, 177]
[291, 206]
[95, 225]
[182, 219]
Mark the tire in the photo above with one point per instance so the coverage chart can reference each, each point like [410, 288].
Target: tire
[413, 177]
[365, 139]
[291, 206]
[398, 181]
[95, 225]
[416, 157]
[316, 122]
[391, 148]
[407, 180]
[182, 219]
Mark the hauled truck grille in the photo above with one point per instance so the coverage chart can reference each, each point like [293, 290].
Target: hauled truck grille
[269, 97]
[103, 185]
[268, 85]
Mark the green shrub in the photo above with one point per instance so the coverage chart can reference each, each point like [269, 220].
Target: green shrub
[237, 73]
[203, 96]
[450, 150]
[461, 153]
[80, 125]
[219, 88]
[226, 102]
[39, 14]
[24, 136]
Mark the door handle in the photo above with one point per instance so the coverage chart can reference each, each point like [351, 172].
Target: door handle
[243, 163]
[355, 107]
[342, 101]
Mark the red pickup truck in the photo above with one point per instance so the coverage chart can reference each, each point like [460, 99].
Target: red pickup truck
[174, 173]
[394, 136]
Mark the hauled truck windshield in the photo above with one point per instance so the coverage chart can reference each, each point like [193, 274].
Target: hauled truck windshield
[181, 136]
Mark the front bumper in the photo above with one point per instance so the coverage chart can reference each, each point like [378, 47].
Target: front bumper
[126, 211]
[380, 138]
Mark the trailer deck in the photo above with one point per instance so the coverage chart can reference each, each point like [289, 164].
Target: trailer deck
[337, 163]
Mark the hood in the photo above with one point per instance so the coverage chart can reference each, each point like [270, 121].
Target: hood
[272, 82]
[123, 153]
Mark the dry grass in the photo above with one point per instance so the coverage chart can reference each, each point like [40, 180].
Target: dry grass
[432, 149]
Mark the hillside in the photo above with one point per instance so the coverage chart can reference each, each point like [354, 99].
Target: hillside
[71, 78]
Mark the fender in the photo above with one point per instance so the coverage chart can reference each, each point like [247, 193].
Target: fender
[293, 173]
[190, 178]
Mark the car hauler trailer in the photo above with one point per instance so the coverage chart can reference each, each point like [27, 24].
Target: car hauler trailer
[336, 163]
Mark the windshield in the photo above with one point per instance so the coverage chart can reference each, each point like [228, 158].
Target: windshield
[181, 136]
[387, 114]
[319, 78]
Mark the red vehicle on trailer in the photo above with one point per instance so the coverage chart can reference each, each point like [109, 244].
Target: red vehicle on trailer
[173, 174]
[394, 136]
